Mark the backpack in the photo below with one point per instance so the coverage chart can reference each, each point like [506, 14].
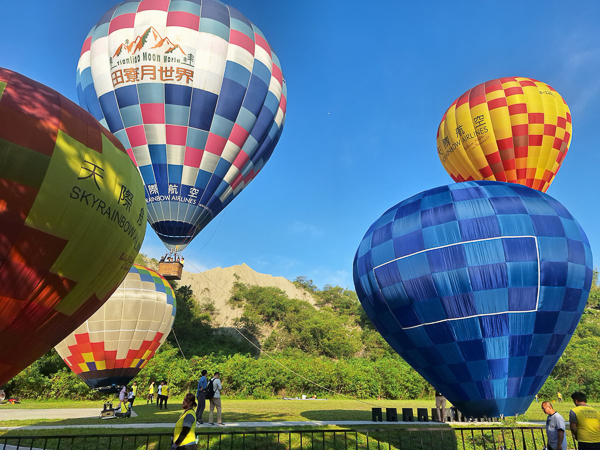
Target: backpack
[210, 389]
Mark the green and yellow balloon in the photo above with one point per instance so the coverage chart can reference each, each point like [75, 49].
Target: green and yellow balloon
[72, 218]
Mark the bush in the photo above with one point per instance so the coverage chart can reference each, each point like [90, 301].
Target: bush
[330, 350]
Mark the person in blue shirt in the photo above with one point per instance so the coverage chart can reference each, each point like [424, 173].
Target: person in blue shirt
[201, 396]
[555, 428]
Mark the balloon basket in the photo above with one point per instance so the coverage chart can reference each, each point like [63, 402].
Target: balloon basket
[171, 270]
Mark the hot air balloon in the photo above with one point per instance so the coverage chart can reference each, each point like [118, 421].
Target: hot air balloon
[515, 129]
[479, 287]
[113, 345]
[72, 219]
[196, 95]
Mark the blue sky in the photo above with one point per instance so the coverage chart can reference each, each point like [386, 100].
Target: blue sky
[368, 83]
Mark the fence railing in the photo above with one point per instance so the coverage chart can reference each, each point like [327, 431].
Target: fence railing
[388, 438]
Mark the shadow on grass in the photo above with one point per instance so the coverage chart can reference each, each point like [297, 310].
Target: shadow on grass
[145, 414]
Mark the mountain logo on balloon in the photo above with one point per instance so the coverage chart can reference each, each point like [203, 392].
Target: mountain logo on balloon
[154, 40]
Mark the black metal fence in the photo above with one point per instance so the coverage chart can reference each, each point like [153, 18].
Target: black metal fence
[386, 438]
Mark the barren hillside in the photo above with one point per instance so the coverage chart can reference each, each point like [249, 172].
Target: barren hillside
[216, 284]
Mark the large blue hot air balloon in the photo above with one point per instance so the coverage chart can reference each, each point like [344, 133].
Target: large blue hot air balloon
[196, 95]
[479, 287]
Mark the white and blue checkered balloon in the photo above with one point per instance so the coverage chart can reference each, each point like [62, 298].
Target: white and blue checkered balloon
[195, 94]
[479, 287]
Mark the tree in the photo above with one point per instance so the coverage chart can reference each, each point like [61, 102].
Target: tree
[306, 284]
[594, 298]
[194, 329]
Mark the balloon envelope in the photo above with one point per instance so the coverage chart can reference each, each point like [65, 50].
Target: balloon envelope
[72, 219]
[196, 95]
[113, 345]
[512, 129]
[479, 287]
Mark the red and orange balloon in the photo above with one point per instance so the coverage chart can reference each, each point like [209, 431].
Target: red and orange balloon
[72, 218]
[515, 129]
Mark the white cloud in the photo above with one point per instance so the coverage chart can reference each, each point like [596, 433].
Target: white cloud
[306, 228]
[272, 264]
[342, 278]
[578, 60]
[151, 249]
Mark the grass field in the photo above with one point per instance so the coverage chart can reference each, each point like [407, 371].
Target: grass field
[394, 436]
[254, 410]
[233, 411]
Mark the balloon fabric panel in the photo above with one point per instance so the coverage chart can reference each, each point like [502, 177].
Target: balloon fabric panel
[197, 97]
[113, 345]
[513, 129]
[478, 286]
[72, 221]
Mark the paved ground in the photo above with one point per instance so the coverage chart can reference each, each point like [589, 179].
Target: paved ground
[122, 423]
[31, 414]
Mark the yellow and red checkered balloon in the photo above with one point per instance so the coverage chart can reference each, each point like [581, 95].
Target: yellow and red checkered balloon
[515, 129]
[113, 345]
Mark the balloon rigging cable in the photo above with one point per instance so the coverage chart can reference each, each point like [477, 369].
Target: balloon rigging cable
[209, 239]
[267, 354]
[177, 340]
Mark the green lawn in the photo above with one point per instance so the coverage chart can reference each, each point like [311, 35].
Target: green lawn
[235, 410]
[254, 411]
[535, 410]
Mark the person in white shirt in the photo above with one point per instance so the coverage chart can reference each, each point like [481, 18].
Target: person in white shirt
[130, 398]
[215, 402]
[159, 393]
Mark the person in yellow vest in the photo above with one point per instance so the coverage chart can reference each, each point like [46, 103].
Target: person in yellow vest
[165, 394]
[125, 409]
[134, 392]
[150, 398]
[559, 395]
[584, 422]
[184, 435]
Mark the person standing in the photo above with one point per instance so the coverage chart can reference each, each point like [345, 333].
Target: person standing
[584, 422]
[134, 392]
[201, 396]
[165, 392]
[555, 428]
[150, 398]
[559, 395]
[184, 435]
[440, 406]
[215, 402]
[159, 396]
[130, 398]
[122, 395]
